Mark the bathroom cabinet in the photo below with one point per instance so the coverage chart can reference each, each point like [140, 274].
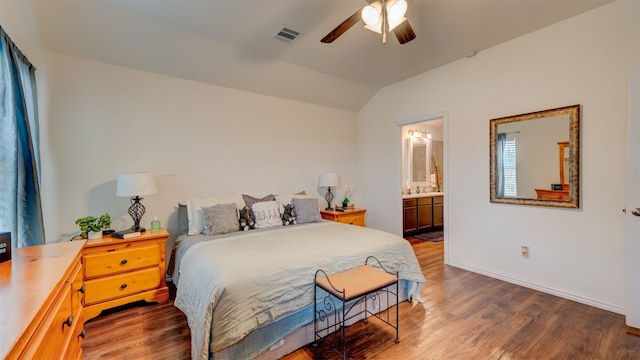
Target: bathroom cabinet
[422, 214]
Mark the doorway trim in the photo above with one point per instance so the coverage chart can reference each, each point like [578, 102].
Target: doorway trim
[445, 169]
[632, 196]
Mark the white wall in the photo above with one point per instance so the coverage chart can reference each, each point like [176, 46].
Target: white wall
[584, 60]
[198, 139]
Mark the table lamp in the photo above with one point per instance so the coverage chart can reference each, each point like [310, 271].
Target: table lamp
[329, 180]
[134, 185]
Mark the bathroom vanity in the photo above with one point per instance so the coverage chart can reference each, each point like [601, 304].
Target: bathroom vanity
[422, 212]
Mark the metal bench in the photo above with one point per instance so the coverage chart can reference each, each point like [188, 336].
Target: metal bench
[351, 288]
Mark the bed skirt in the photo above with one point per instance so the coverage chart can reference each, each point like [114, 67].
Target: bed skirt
[298, 338]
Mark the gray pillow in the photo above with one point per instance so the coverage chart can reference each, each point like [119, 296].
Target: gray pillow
[220, 219]
[306, 210]
[250, 200]
[183, 219]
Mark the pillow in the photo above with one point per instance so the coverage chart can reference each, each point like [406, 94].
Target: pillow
[288, 215]
[306, 210]
[221, 219]
[286, 199]
[196, 215]
[183, 219]
[246, 222]
[303, 192]
[266, 214]
[250, 200]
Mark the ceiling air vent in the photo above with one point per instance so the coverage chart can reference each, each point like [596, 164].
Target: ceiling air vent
[286, 34]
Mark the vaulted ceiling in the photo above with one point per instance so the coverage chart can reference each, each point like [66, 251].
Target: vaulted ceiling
[230, 42]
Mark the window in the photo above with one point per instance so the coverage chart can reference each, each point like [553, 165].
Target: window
[20, 208]
[509, 168]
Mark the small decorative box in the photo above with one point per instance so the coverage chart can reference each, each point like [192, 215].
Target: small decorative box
[5, 247]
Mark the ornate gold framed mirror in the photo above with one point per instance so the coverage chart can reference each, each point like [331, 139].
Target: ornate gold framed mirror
[534, 158]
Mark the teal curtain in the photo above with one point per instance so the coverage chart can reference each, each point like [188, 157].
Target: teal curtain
[20, 206]
[502, 138]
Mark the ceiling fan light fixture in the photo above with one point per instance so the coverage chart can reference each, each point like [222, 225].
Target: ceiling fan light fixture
[371, 13]
[396, 10]
[377, 27]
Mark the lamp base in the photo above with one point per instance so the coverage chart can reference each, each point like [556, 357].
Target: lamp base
[329, 197]
[137, 228]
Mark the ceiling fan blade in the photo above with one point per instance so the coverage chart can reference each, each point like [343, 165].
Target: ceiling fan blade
[342, 28]
[404, 32]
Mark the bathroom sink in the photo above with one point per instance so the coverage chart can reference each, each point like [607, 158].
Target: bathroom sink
[412, 196]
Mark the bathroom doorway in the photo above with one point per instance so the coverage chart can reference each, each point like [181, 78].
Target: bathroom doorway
[423, 179]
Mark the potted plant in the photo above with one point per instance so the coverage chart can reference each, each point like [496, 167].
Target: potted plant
[92, 227]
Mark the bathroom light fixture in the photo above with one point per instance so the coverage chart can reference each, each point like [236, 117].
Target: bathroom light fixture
[420, 134]
[329, 180]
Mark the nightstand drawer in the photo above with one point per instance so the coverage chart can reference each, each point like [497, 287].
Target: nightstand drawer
[351, 217]
[356, 219]
[120, 285]
[119, 261]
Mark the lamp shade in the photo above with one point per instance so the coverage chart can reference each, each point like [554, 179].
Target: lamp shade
[329, 180]
[135, 184]
[371, 13]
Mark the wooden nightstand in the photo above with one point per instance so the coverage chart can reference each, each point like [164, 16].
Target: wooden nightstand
[353, 217]
[121, 271]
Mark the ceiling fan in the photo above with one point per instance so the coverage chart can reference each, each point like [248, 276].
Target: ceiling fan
[380, 16]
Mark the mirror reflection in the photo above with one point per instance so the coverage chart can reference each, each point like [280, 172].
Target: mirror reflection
[420, 161]
[422, 157]
[534, 158]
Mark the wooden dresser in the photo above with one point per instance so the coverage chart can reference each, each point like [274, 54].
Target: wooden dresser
[41, 294]
[121, 271]
[562, 195]
[352, 217]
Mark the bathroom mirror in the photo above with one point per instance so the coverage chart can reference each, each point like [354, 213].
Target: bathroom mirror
[419, 161]
[526, 167]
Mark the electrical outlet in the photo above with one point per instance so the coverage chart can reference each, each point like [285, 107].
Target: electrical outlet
[524, 250]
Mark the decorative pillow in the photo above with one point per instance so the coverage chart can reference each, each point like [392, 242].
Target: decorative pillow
[285, 199]
[250, 200]
[266, 214]
[303, 192]
[288, 215]
[196, 215]
[221, 219]
[183, 219]
[306, 210]
[246, 222]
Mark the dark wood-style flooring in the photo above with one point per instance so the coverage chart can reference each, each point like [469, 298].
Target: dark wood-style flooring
[463, 316]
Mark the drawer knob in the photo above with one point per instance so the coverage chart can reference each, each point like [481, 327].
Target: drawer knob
[69, 321]
[123, 262]
[123, 286]
[83, 334]
[82, 289]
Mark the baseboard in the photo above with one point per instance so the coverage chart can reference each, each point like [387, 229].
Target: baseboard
[583, 299]
[633, 331]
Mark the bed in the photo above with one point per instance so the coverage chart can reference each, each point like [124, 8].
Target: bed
[249, 294]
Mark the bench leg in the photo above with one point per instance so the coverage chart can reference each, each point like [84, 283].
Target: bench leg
[344, 335]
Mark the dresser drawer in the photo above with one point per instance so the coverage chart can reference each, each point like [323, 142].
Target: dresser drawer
[116, 286]
[357, 219]
[77, 288]
[57, 327]
[118, 261]
[74, 351]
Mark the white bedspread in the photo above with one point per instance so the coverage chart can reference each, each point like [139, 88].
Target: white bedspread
[229, 287]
